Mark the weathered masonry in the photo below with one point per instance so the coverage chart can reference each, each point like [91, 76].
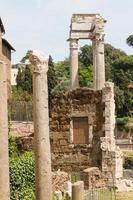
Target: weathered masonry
[76, 127]
[82, 132]
[87, 26]
[83, 120]
[5, 55]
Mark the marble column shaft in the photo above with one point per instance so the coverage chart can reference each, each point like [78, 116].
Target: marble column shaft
[98, 63]
[41, 128]
[74, 82]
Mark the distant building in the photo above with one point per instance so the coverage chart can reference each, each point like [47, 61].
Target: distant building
[5, 54]
[130, 87]
[14, 72]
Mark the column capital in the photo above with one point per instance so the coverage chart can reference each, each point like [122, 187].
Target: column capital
[39, 62]
[73, 43]
[98, 37]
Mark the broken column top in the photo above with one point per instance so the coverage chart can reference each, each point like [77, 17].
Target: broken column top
[38, 60]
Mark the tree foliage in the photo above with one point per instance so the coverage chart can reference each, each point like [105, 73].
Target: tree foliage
[118, 67]
[24, 79]
[129, 40]
[122, 75]
[22, 177]
[52, 79]
[111, 54]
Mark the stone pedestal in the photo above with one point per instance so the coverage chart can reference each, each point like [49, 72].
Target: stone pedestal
[93, 178]
[74, 82]
[78, 190]
[4, 160]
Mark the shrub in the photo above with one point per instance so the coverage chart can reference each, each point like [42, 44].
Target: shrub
[13, 150]
[22, 177]
[121, 122]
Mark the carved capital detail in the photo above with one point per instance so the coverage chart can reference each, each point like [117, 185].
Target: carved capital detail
[73, 44]
[39, 62]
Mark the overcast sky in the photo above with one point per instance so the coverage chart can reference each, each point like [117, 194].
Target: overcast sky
[44, 24]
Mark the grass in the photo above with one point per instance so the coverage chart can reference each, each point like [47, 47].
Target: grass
[124, 196]
[128, 154]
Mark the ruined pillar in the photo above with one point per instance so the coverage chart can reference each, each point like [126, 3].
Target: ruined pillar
[41, 127]
[98, 63]
[4, 157]
[112, 156]
[78, 190]
[74, 82]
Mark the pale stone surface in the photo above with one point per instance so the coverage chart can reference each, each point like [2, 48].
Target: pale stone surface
[78, 190]
[68, 188]
[98, 63]
[4, 160]
[41, 126]
[112, 157]
[74, 64]
[21, 129]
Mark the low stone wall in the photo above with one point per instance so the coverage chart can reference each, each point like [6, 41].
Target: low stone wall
[21, 128]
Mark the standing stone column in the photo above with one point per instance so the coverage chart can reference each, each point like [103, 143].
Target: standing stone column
[74, 82]
[4, 157]
[94, 64]
[99, 63]
[41, 127]
[78, 190]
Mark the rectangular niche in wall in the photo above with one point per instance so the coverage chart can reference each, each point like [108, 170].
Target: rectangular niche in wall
[80, 130]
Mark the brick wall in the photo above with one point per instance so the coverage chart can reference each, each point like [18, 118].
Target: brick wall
[8, 64]
[79, 103]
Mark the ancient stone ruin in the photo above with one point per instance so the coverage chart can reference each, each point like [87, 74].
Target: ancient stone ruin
[87, 26]
[83, 120]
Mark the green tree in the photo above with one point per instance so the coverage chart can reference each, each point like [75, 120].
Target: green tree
[52, 79]
[122, 75]
[86, 55]
[24, 79]
[20, 78]
[85, 76]
[62, 73]
[111, 54]
[129, 40]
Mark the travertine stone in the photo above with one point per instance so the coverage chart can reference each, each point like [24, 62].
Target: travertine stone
[98, 63]
[41, 127]
[81, 102]
[4, 160]
[88, 26]
[74, 64]
[112, 157]
[78, 190]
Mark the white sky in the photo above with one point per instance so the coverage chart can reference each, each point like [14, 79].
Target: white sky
[44, 24]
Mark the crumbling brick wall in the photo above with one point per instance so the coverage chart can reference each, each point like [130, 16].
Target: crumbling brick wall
[66, 155]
